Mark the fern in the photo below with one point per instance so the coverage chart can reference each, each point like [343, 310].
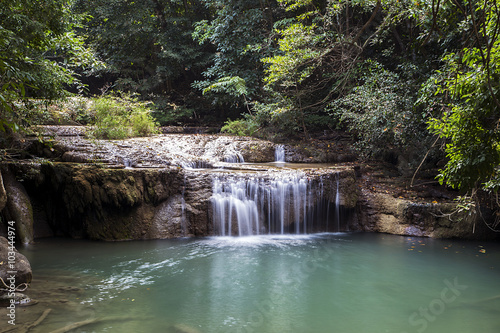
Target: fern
[231, 85]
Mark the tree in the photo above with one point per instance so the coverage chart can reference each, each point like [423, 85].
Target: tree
[379, 112]
[318, 48]
[469, 85]
[146, 44]
[235, 32]
[38, 54]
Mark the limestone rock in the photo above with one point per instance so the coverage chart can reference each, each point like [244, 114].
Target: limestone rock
[405, 217]
[21, 265]
[19, 208]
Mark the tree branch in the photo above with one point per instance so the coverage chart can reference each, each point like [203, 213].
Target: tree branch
[367, 24]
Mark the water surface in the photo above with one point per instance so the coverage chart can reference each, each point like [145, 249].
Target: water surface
[339, 282]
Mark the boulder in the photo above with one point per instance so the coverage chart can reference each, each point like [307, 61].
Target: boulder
[382, 212]
[21, 266]
[18, 208]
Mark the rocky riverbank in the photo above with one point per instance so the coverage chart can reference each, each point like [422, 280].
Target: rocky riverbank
[162, 187]
[15, 276]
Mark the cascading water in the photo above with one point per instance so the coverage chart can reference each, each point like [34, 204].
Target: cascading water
[183, 209]
[280, 204]
[234, 158]
[196, 165]
[235, 198]
[279, 154]
[337, 202]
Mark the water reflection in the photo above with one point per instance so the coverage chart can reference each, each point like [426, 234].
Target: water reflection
[305, 283]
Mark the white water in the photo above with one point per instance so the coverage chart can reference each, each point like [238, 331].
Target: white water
[337, 203]
[279, 153]
[236, 157]
[200, 164]
[281, 204]
[183, 209]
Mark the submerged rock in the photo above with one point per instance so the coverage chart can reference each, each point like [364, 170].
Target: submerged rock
[18, 299]
[183, 328]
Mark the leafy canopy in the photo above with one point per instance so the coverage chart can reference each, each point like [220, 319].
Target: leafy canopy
[39, 54]
[470, 121]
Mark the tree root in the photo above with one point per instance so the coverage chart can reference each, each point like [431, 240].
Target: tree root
[27, 327]
[492, 298]
[75, 325]
[91, 321]
[39, 320]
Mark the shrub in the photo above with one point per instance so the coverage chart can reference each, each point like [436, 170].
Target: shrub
[380, 112]
[241, 127]
[142, 123]
[122, 117]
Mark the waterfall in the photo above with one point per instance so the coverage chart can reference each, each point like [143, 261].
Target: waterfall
[238, 198]
[234, 158]
[337, 203]
[279, 153]
[183, 209]
[279, 204]
[200, 164]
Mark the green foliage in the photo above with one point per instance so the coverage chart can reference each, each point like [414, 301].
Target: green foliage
[39, 54]
[233, 86]
[77, 109]
[142, 123]
[470, 125]
[379, 111]
[172, 114]
[469, 86]
[317, 52]
[276, 120]
[67, 111]
[235, 33]
[122, 117]
[226, 87]
[241, 127]
[295, 62]
[146, 44]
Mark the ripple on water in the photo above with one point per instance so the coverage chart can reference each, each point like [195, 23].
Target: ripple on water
[299, 283]
[279, 241]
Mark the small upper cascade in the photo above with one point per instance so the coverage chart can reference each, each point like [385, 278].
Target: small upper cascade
[198, 164]
[236, 157]
[281, 203]
[225, 149]
[129, 163]
[279, 154]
